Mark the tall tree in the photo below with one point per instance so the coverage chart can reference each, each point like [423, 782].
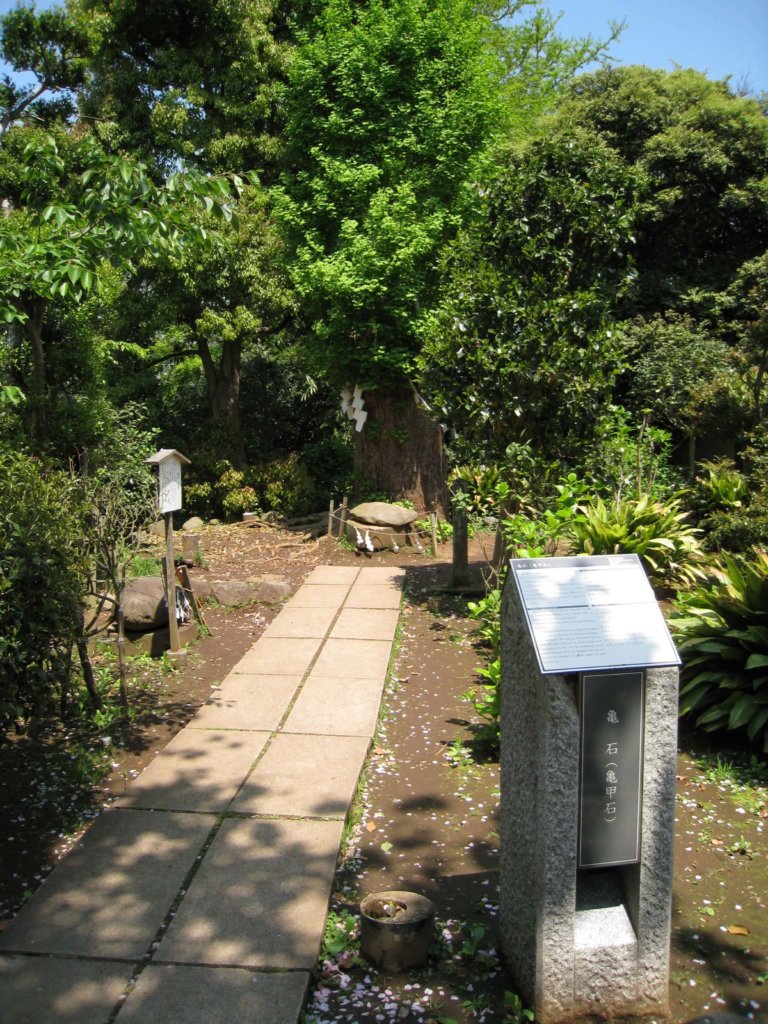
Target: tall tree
[73, 209]
[198, 84]
[392, 107]
[521, 348]
[47, 50]
[703, 155]
[196, 81]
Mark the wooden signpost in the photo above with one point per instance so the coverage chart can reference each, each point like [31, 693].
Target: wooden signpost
[169, 463]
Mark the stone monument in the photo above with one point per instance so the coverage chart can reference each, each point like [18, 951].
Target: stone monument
[582, 941]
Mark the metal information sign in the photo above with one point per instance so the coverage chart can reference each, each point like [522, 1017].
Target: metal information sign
[591, 613]
[610, 793]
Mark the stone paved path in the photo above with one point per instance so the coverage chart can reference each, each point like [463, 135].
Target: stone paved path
[208, 882]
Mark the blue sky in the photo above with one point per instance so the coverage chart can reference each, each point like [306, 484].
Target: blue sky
[718, 37]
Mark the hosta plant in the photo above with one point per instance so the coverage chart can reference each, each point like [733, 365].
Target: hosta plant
[722, 634]
[657, 531]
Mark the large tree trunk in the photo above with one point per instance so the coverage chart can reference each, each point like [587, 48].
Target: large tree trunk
[223, 384]
[400, 449]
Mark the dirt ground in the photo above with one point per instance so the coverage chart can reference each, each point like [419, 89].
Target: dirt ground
[427, 814]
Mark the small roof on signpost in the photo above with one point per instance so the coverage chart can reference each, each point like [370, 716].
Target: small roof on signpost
[167, 453]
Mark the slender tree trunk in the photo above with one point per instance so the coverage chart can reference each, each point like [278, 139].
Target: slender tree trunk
[400, 449]
[87, 667]
[34, 326]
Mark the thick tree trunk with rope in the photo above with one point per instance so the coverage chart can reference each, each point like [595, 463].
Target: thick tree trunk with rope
[400, 449]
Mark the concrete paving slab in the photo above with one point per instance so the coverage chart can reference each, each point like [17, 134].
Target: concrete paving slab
[351, 659]
[364, 596]
[246, 701]
[109, 896]
[307, 775]
[337, 707]
[199, 770]
[279, 656]
[174, 994]
[366, 624]
[320, 596]
[332, 574]
[260, 897]
[47, 990]
[380, 576]
[302, 622]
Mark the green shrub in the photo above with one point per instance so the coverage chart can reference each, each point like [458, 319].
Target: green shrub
[199, 500]
[285, 486]
[330, 463]
[42, 582]
[722, 634]
[487, 704]
[719, 485]
[657, 531]
[487, 612]
[239, 500]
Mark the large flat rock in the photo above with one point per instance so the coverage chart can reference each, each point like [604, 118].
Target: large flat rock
[260, 896]
[173, 994]
[47, 990]
[246, 701]
[109, 895]
[199, 770]
[304, 775]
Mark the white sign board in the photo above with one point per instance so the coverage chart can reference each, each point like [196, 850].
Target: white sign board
[169, 485]
[591, 613]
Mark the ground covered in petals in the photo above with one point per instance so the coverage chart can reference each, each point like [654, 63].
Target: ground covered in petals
[426, 818]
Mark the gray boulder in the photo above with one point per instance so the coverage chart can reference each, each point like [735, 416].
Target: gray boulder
[381, 513]
[144, 605]
[195, 523]
[232, 592]
[272, 589]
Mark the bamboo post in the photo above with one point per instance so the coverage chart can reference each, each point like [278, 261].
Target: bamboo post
[433, 525]
[343, 517]
[330, 519]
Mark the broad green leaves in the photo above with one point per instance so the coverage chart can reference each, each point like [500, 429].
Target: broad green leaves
[389, 105]
[77, 207]
[521, 347]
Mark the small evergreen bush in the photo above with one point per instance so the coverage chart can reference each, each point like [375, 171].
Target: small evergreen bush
[43, 520]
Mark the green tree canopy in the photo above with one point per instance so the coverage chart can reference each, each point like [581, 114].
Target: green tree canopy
[197, 81]
[521, 348]
[48, 49]
[389, 106]
[702, 153]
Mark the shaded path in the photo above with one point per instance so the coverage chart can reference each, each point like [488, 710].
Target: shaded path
[207, 885]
